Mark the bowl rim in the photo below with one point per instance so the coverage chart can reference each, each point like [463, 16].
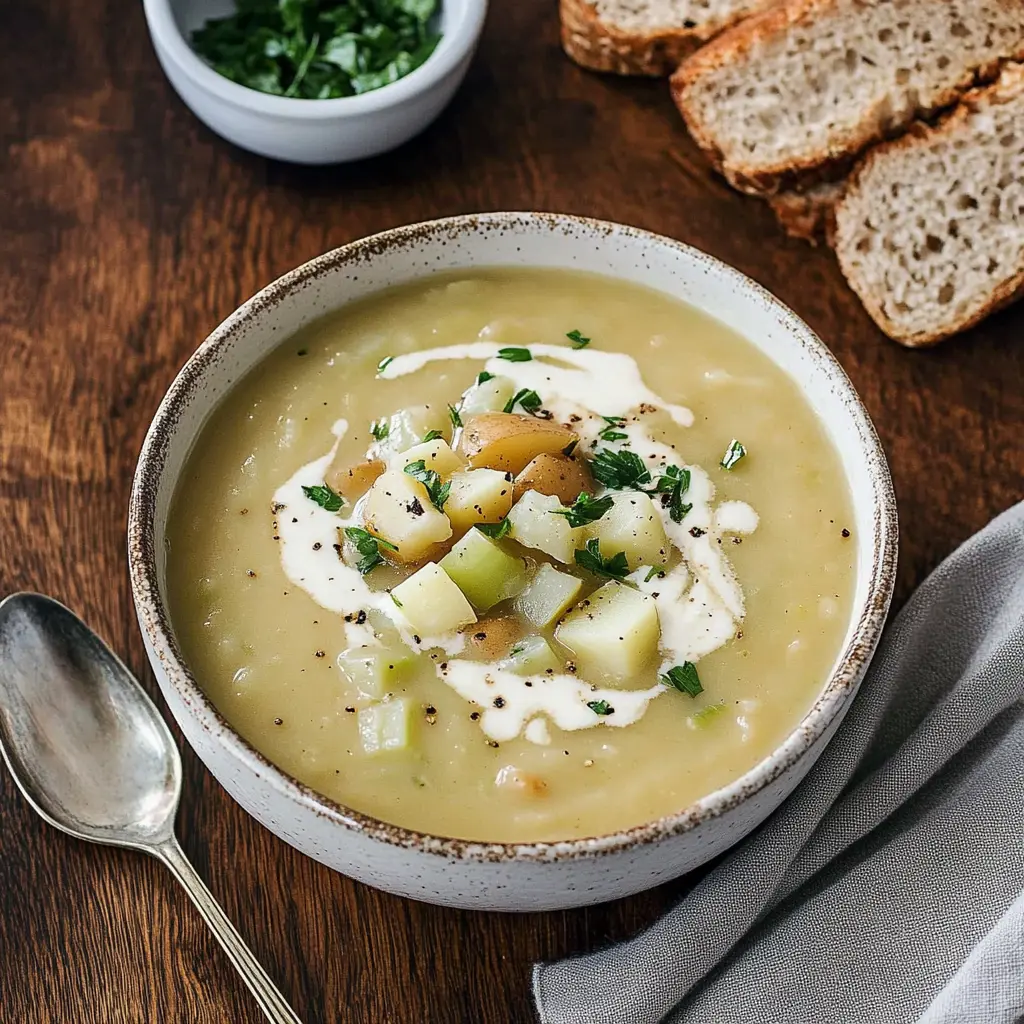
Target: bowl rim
[457, 41]
[155, 622]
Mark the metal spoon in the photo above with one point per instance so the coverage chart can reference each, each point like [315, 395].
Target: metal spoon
[92, 755]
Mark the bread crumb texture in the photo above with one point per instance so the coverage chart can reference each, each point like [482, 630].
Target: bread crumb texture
[809, 83]
[930, 234]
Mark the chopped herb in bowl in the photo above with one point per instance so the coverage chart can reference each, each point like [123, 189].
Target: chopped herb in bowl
[319, 49]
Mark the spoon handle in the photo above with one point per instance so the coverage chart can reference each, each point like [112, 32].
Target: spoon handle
[272, 1003]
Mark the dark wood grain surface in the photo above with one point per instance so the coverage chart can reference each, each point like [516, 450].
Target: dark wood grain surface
[128, 231]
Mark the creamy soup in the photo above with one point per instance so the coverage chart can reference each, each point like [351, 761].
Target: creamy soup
[513, 555]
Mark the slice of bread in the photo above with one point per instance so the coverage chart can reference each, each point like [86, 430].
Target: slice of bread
[930, 232]
[643, 37]
[792, 94]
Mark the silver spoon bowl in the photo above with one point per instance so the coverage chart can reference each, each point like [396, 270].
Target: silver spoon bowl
[91, 754]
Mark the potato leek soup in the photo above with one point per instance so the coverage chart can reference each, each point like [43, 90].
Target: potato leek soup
[513, 555]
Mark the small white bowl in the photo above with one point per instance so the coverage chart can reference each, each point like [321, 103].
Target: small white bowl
[313, 131]
[507, 876]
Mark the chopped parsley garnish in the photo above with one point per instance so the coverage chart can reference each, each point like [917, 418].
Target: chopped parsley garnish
[620, 470]
[484, 377]
[385, 363]
[577, 339]
[585, 509]
[325, 496]
[684, 678]
[397, 602]
[600, 707]
[368, 548]
[708, 714]
[590, 558]
[453, 415]
[529, 400]
[733, 454]
[379, 429]
[613, 430]
[318, 50]
[673, 484]
[437, 491]
[516, 650]
[515, 355]
[432, 435]
[658, 570]
[495, 530]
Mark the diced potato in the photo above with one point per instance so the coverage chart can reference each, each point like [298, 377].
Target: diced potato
[353, 481]
[385, 727]
[550, 592]
[409, 426]
[509, 442]
[375, 671]
[534, 526]
[491, 639]
[615, 631]
[632, 525]
[491, 396]
[435, 455]
[532, 656]
[398, 509]
[431, 602]
[478, 496]
[564, 477]
[484, 571]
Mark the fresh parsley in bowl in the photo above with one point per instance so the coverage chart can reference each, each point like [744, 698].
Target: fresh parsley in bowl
[319, 49]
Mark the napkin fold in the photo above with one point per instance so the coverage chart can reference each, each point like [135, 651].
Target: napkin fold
[890, 886]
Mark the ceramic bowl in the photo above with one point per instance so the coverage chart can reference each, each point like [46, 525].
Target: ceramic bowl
[313, 131]
[507, 876]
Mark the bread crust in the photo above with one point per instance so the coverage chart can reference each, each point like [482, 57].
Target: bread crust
[1009, 86]
[825, 165]
[600, 46]
[809, 215]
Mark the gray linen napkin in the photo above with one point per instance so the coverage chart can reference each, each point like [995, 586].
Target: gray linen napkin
[890, 886]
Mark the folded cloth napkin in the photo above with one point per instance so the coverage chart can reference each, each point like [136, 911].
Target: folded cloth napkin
[890, 886]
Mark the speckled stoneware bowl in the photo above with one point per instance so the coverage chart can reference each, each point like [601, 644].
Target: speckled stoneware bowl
[507, 876]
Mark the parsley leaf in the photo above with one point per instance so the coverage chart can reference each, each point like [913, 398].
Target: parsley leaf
[615, 568]
[368, 546]
[620, 470]
[453, 414]
[437, 491]
[613, 430]
[684, 678]
[600, 707]
[733, 454]
[529, 400]
[577, 339]
[657, 570]
[515, 355]
[397, 602]
[380, 429]
[432, 435]
[495, 530]
[585, 509]
[672, 486]
[326, 497]
[384, 363]
[484, 377]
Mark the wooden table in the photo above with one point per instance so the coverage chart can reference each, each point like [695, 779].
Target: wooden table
[128, 231]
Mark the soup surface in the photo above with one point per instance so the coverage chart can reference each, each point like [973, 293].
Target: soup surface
[589, 672]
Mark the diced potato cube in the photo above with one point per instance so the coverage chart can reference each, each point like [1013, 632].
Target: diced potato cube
[564, 477]
[435, 455]
[632, 525]
[509, 442]
[615, 631]
[532, 656]
[478, 496]
[431, 602]
[484, 571]
[385, 727]
[550, 592]
[534, 526]
[375, 671]
[409, 426]
[353, 481]
[491, 396]
[398, 509]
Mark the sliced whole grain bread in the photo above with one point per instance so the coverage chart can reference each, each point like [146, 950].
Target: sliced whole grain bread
[791, 95]
[644, 37]
[930, 232]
